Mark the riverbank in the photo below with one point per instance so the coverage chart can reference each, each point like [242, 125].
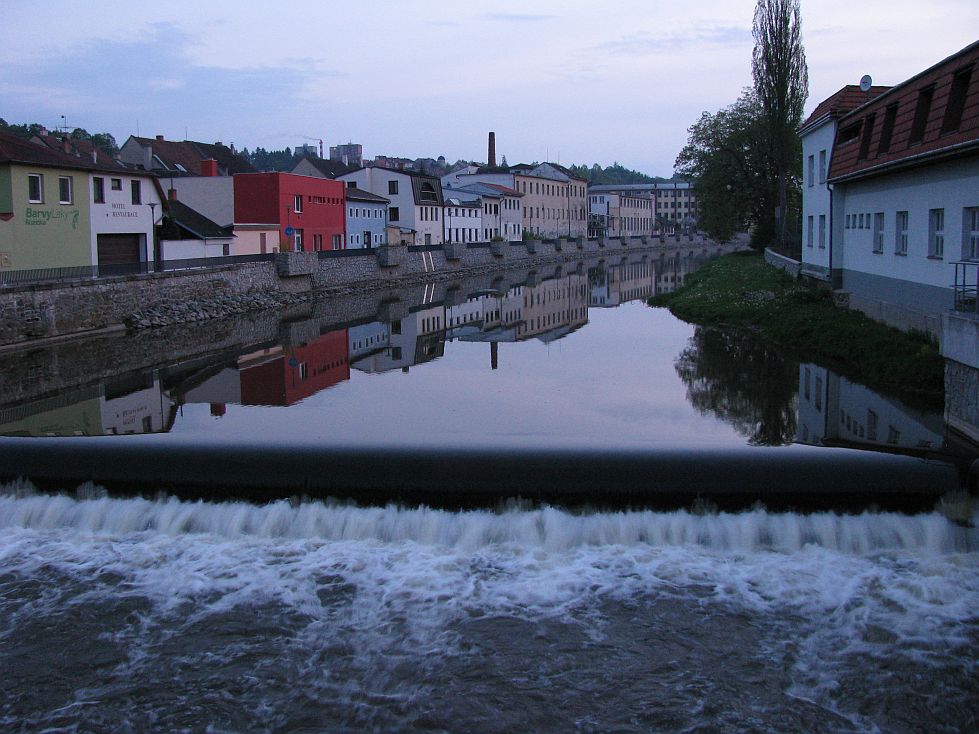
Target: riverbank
[742, 291]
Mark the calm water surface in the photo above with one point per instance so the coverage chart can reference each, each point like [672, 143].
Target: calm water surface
[160, 614]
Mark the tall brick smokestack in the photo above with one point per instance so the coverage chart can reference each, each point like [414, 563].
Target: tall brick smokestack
[491, 154]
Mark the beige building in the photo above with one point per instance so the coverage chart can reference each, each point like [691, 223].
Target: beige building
[616, 214]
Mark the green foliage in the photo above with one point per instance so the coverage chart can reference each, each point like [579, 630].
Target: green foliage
[271, 160]
[745, 292]
[614, 174]
[781, 84]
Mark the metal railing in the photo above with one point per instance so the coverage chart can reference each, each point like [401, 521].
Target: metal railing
[88, 272]
[966, 286]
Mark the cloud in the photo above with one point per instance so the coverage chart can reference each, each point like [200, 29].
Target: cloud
[517, 17]
[650, 43]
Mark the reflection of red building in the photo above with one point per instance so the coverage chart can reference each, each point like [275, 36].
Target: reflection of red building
[313, 208]
[298, 373]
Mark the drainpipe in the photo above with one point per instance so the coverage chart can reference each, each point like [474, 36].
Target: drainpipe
[830, 187]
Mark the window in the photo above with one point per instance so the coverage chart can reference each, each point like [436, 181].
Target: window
[64, 189]
[394, 214]
[822, 231]
[846, 222]
[872, 422]
[822, 166]
[297, 203]
[970, 240]
[819, 394]
[117, 184]
[809, 232]
[887, 130]
[956, 100]
[921, 112]
[850, 133]
[901, 234]
[337, 241]
[35, 188]
[392, 187]
[936, 233]
[298, 237]
[879, 232]
[137, 192]
[98, 190]
[868, 131]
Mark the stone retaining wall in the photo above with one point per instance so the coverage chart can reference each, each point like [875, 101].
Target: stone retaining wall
[30, 312]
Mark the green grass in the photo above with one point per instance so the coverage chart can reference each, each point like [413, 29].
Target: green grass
[742, 291]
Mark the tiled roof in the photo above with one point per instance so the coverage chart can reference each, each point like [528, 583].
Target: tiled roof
[933, 115]
[845, 100]
[188, 154]
[83, 148]
[329, 168]
[18, 150]
[504, 189]
[355, 194]
[194, 222]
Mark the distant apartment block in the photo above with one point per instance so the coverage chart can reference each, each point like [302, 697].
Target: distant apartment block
[349, 154]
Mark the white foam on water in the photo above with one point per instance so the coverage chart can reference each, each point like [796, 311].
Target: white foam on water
[834, 587]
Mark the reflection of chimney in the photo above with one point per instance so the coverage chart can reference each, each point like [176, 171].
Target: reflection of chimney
[218, 409]
[494, 354]
[491, 154]
[172, 194]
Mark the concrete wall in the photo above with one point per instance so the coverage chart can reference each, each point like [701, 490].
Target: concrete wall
[783, 263]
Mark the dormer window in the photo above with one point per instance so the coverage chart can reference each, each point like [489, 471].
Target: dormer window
[428, 192]
[921, 112]
[956, 100]
[887, 129]
[850, 133]
[868, 131]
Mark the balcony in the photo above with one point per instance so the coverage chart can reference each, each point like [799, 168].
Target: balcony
[966, 286]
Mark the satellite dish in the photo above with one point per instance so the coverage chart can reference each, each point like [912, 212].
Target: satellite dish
[865, 83]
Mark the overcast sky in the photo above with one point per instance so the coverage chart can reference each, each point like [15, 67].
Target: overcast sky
[575, 82]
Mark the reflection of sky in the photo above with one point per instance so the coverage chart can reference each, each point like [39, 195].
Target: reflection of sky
[610, 384]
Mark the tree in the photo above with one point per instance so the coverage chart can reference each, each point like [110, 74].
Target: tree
[734, 174]
[781, 81]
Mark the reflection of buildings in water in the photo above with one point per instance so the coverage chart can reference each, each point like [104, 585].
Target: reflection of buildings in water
[554, 308]
[833, 410]
[417, 338]
[368, 339]
[133, 404]
[672, 271]
[618, 284]
[277, 376]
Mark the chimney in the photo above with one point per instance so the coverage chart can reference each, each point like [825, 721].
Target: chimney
[66, 144]
[172, 194]
[491, 155]
[209, 167]
[232, 146]
[95, 155]
[147, 157]
[218, 142]
[159, 137]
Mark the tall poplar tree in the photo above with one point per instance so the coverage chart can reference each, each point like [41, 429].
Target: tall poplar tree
[781, 80]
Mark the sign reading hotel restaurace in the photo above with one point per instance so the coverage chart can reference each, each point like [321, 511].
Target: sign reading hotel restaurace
[34, 216]
[119, 210]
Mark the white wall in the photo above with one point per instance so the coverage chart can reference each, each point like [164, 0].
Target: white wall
[816, 198]
[118, 215]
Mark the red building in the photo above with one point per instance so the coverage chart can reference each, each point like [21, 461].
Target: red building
[298, 373]
[309, 212]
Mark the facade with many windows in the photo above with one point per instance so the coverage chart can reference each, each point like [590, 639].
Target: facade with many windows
[415, 201]
[367, 218]
[903, 186]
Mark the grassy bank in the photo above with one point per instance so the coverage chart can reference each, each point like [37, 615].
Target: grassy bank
[742, 291]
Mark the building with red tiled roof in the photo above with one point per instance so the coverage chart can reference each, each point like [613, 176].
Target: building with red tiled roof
[183, 158]
[897, 200]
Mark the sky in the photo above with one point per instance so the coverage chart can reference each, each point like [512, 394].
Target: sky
[568, 81]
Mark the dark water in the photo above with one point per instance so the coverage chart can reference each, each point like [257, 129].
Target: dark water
[160, 614]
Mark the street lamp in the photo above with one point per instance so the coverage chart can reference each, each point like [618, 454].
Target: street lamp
[156, 244]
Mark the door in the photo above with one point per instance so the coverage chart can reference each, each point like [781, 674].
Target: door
[118, 250]
[367, 238]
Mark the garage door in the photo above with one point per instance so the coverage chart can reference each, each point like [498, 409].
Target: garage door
[118, 249]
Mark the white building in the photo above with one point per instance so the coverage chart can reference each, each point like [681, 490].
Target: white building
[903, 187]
[415, 199]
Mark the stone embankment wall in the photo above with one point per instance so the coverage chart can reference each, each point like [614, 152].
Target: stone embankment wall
[783, 263]
[32, 312]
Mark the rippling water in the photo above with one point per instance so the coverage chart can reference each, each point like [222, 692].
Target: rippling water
[138, 615]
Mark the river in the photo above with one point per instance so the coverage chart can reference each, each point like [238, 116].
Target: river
[161, 609]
